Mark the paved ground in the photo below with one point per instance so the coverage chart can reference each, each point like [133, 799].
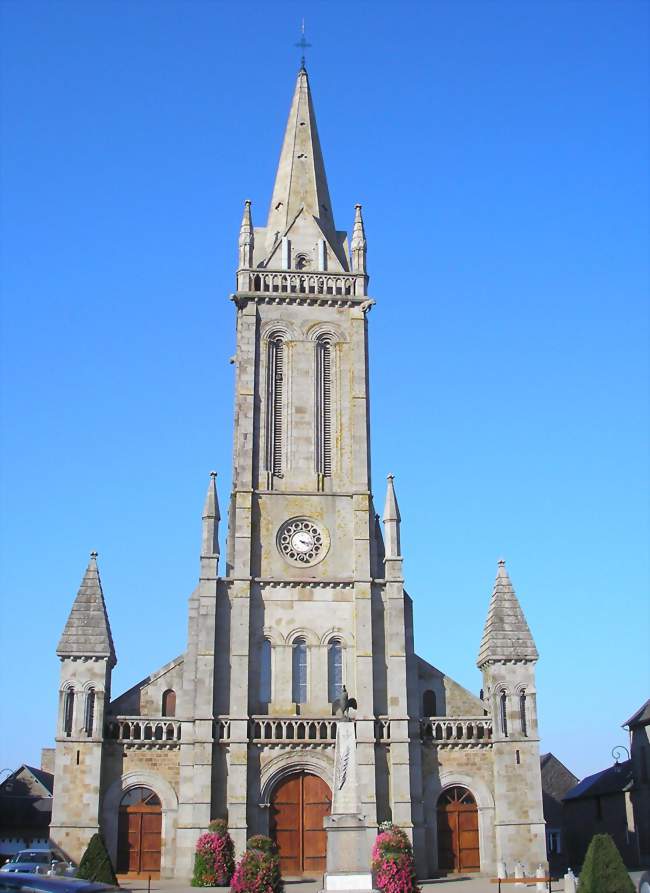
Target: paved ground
[457, 884]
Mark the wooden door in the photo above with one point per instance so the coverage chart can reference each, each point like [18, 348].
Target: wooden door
[458, 844]
[298, 807]
[139, 834]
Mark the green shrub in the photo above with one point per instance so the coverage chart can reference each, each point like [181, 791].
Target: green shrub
[603, 870]
[96, 864]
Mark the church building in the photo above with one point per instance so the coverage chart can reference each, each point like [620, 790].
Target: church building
[307, 597]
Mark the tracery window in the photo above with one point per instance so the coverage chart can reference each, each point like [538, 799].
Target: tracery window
[334, 669]
[89, 712]
[265, 673]
[68, 711]
[274, 404]
[503, 713]
[169, 702]
[324, 406]
[299, 671]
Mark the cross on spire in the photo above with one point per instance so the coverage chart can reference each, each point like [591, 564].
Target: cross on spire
[302, 44]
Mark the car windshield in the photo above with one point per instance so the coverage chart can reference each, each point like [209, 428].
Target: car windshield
[33, 856]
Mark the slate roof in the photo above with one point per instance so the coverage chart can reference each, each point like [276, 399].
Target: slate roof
[640, 718]
[87, 632]
[20, 808]
[506, 635]
[613, 780]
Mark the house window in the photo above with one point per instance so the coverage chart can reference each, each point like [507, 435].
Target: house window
[522, 713]
[553, 842]
[89, 712]
[265, 673]
[324, 407]
[274, 405]
[334, 670]
[169, 702]
[503, 713]
[429, 703]
[68, 711]
[299, 674]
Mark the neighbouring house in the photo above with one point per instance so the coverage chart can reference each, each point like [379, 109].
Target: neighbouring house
[25, 810]
[557, 781]
[638, 726]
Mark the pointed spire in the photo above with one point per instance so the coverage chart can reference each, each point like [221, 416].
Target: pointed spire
[391, 521]
[358, 244]
[211, 518]
[87, 632]
[506, 635]
[246, 238]
[300, 181]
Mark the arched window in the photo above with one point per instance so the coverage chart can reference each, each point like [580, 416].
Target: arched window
[169, 702]
[274, 401]
[299, 671]
[68, 711]
[522, 713]
[503, 713]
[89, 712]
[334, 670]
[429, 703]
[324, 406]
[265, 673]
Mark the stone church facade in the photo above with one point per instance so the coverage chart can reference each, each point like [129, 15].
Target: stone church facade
[310, 596]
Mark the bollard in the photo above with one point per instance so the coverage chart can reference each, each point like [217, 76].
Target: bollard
[149, 884]
[540, 885]
[570, 884]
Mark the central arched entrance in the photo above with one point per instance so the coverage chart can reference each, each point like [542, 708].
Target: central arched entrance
[299, 804]
[139, 832]
[458, 844]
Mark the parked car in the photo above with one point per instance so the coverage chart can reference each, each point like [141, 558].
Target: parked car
[37, 883]
[36, 862]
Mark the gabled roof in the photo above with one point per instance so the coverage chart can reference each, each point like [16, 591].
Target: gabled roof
[613, 780]
[506, 635]
[640, 718]
[87, 632]
[44, 782]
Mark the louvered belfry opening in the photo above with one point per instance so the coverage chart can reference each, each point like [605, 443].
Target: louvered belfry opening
[324, 407]
[275, 386]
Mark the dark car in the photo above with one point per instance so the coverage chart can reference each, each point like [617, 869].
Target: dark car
[38, 883]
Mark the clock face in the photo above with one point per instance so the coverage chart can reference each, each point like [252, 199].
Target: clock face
[303, 542]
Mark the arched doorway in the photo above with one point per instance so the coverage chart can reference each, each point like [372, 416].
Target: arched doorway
[458, 844]
[139, 832]
[298, 806]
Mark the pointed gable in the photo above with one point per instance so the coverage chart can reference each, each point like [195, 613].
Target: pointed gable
[506, 635]
[87, 632]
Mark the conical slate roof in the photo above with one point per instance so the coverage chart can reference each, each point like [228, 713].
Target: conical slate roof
[506, 635]
[300, 181]
[87, 632]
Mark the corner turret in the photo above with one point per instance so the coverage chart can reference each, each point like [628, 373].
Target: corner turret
[87, 658]
[507, 658]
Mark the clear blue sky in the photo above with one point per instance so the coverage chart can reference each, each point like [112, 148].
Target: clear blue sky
[500, 150]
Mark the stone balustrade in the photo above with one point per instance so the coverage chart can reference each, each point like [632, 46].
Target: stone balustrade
[291, 729]
[144, 730]
[474, 731]
[302, 283]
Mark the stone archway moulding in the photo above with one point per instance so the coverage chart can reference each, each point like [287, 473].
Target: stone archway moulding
[169, 803]
[434, 786]
[282, 766]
